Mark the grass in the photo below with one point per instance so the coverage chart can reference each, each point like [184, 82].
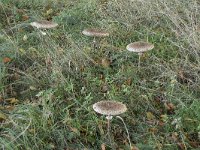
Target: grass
[48, 88]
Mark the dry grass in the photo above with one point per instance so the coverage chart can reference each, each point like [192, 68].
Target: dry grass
[57, 78]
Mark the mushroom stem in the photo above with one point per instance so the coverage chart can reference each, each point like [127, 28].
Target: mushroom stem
[108, 131]
[42, 32]
[94, 40]
[94, 43]
[128, 136]
[139, 59]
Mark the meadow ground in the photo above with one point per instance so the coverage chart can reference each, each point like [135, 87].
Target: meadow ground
[48, 84]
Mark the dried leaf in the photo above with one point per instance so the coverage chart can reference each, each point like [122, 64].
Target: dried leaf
[12, 100]
[25, 17]
[1, 98]
[82, 68]
[15, 76]
[128, 81]
[22, 51]
[169, 106]
[9, 108]
[2, 117]
[133, 147]
[181, 74]
[104, 88]
[175, 136]
[103, 146]
[75, 130]
[20, 11]
[32, 130]
[48, 60]
[161, 123]
[194, 144]
[164, 117]
[153, 130]
[48, 12]
[105, 62]
[6, 59]
[25, 37]
[20, 30]
[181, 146]
[102, 77]
[33, 88]
[51, 145]
[150, 116]
[152, 122]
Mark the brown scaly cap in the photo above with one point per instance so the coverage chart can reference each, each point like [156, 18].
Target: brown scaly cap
[109, 108]
[139, 47]
[95, 33]
[44, 24]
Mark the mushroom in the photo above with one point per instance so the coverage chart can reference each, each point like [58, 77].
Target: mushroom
[43, 24]
[110, 109]
[139, 47]
[95, 33]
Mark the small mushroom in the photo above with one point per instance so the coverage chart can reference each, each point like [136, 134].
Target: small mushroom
[43, 24]
[109, 108]
[95, 33]
[140, 48]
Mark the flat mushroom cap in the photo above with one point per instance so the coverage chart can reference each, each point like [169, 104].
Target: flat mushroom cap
[109, 108]
[95, 33]
[139, 47]
[44, 24]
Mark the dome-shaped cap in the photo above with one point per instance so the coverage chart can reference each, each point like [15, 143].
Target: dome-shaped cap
[109, 108]
[95, 33]
[44, 24]
[139, 47]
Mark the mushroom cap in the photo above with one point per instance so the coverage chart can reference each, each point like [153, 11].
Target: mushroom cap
[139, 47]
[44, 24]
[109, 108]
[95, 33]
